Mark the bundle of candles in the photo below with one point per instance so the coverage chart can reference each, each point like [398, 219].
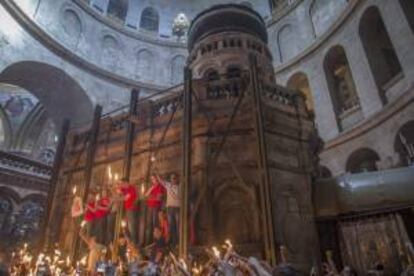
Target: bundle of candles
[223, 261]
[23, 262]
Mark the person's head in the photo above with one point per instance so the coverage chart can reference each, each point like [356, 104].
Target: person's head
[174, 178]
[154, 179]
[157, 233]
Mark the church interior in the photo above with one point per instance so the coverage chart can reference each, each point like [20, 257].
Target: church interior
[176, 137]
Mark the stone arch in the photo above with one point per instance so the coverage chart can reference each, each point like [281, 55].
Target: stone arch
[379, 50]
[340, 83]
[177, 69]
[145, 65]
[404, 143]
[408, 9]
[323, 13]
[59, 93]
[38, 198]
[299, 81]
[150, 20]
[362, 160]
[118, 9]
[11, 194]
[287, 40]
[237, 213]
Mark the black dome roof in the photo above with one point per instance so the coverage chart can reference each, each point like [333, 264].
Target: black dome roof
[228, 17]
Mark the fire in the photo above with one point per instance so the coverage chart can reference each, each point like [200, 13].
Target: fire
[123, 223]
[83, 223]
[74, 190]
[216, 251]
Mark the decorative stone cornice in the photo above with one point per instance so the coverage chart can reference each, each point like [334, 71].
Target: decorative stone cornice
[139, 35]
[50, 43]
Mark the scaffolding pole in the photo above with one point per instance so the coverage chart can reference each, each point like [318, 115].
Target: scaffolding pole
[126, 173]
[264, 184]
[57, 164]
[90, 158]
[186, 162]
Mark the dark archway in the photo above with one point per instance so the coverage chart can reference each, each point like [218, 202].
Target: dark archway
[341, 85]
[404, 143]
[379, 50]
[118, 9]
[150, 20]
[362, 160]
[408, 8]
[59, 93]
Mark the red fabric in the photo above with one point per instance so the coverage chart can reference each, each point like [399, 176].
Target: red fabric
[154, 198]
[103, 202]
[90, 215]
[130, 192]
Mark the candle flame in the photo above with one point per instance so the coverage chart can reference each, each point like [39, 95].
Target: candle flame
[109, 173]
[143, 189]
[153, 158]
[83, 260]
[229, 244]
[74, 190]
[216, 252]
[83, 223]
[123, 223]
[116, 177]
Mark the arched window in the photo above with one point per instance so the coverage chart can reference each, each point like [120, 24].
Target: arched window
[118, 9]
[380, 52]
[408, 8]
[177, 69]
[287, 41]
[362, 160]
[341, 86]
[299, 81]
[145, 65]
[28, 219]
[149, 20]
[404, 143]
[233, 71]
[323, 13]
[212, 75]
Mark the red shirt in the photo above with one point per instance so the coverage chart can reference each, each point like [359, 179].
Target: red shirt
[90, 215]
[154, 198]
[130, 192]
[102, 203]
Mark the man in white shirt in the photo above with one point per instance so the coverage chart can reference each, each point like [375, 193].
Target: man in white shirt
[173, 206]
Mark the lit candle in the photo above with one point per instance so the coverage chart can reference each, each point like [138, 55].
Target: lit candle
[153, 158]
[116, 177]
[143, 189]
[83, 223]
[216, 252]
[74, 190]
[123, 223]
[109, 173]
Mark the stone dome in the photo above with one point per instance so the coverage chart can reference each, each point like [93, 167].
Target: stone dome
[224, 18]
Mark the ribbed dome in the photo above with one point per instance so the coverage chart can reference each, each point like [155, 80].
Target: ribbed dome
[224, 18]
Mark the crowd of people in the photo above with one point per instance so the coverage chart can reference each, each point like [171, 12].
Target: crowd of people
[162, 200]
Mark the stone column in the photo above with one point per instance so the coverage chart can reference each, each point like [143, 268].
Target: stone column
[324, 111]
[366, 88]
[400, 35]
